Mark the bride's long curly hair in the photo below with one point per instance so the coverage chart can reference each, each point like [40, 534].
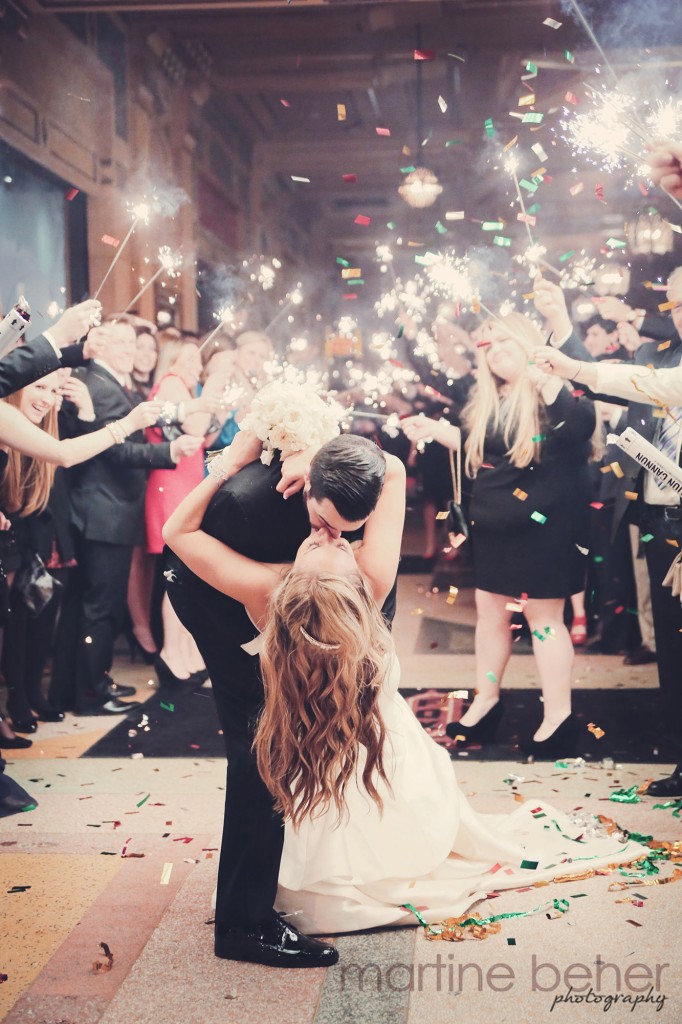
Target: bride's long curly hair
[324, 658]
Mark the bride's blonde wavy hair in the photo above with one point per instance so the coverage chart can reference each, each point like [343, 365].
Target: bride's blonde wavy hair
[520, 412]
[324, 659]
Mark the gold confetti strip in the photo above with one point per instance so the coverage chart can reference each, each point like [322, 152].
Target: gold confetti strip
[595, 730]
[521, 495]
[663, 346]
[631, 495]
[663, 307]
[340, 111]
[615, 466]
[452, 595]
[440, 516]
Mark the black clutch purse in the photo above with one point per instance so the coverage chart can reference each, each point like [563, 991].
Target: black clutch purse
[457, 525]
[35, 585]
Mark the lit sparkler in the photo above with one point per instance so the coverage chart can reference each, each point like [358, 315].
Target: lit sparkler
[140, 212]
[170, 263]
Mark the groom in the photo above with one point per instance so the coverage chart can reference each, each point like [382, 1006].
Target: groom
[251, 515]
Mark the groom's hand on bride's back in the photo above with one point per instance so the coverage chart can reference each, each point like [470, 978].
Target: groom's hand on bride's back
[295, 472]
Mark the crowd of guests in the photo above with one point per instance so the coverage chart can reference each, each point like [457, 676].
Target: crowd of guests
[104, 426]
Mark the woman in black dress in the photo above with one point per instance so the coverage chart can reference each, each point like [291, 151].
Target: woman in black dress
[527, 451]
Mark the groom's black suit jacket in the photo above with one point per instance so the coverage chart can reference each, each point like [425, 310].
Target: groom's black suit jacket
[249, 515]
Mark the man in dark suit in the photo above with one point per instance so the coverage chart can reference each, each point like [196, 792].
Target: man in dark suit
[656, 511]
[107, 500]
[250, 514]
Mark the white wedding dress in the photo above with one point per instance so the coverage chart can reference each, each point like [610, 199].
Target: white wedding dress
[429, 848]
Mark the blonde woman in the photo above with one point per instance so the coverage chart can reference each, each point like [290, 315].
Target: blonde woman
[374, 818]
[527, 448]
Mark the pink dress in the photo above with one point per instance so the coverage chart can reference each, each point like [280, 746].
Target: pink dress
[167, 487]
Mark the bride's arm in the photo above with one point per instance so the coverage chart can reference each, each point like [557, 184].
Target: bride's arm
[379, 554]
[17, 432]
[210, 559]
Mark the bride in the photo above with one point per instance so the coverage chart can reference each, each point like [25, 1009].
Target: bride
[374, 817]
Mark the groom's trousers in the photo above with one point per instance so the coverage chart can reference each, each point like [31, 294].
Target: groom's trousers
[253, 833]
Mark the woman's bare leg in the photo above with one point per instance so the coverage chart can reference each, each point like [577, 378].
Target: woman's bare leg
[493, 650]
[553, 652]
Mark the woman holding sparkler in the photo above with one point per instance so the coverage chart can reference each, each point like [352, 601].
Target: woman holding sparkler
[527, 449]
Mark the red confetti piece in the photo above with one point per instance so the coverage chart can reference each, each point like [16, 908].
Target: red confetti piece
[599, 193]
[110, 240]
[349, 178]
[571, 97]
[577, 393]
[383, 131]
[194, 746]
[483, 344]
[424, 54]
[596, 504]
[643, 188]
[285, 103]
[362, 219]
[71, 194]
[351, 295]
[183, 839]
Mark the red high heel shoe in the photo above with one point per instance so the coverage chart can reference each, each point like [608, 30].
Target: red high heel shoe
[579, 631]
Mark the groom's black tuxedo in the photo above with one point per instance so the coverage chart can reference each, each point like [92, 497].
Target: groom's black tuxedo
[249, 515]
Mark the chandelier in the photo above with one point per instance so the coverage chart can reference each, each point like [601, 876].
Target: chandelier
[420, 188]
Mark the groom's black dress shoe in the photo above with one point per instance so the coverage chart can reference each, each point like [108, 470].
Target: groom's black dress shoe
[275, 944]
[670, 786]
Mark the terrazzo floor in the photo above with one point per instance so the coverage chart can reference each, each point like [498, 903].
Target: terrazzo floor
[124, 853]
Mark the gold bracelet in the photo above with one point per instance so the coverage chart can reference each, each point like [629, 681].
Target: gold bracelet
[117, 432]
[579, 370]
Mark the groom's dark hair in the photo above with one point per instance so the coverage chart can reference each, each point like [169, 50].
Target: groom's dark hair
[350, 472]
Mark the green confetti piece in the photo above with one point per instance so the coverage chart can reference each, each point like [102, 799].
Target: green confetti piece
[532, 68]
[423, 261]
[538, 179]
[502, 241]
[168, 707]
[538, 517]
[401, 330]
[615, 243]
[453, 142]
[536, 632]
[511, 942]
[391, 225]
[492, 225]
[599, 558]
[625, 796]
[489, 127]
[440, 228]
[533, 209]
[646, 537]
[532, 118]
[340, 260]
[355, 280]
[561, 764]
[492, 677]
[530, 865]
[566, 256]
[413, 910]
[408, 170]
[569, 56]
[528, 185]
[538, 437]
[28, 807]
[144, 800]
[560, 905]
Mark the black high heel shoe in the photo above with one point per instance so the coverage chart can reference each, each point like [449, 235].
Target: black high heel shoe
[563, 742]
[167, 678]
[484, 730]
[16, 743]
[136, 649]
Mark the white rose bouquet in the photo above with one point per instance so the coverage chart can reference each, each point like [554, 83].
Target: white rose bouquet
[289, 417]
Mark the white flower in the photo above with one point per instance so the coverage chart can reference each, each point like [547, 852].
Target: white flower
[289, 417]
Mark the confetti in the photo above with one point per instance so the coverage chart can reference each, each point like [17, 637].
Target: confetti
[551, 23]
[521, 495]
[599, 193]
[452, 596]
[631, 495]
[539, 152]
[340, 111]
[383, 131]
[617, 471]
[492, 677]
[442, 104]
[571, 97]
[424, 54]
[349, 179]
[165, 874]
[576, 189]
[285, 103]
[103, 966]
[532, 118]
[489, 127]
[663, 307]
[663, 345]
[110, 240]
[502, 241]
[71, 194]
[492, 225]
[538, 517]
[528, 100]
[362, 219]
[296, 177]
[615, 243]
[595, 730]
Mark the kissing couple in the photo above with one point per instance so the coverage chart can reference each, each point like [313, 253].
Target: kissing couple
[340, 810]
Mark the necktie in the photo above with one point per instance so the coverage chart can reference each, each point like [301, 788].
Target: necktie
[669, 438]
